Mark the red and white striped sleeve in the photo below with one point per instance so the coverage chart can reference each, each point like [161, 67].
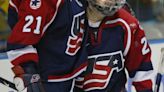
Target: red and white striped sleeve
[138, 61]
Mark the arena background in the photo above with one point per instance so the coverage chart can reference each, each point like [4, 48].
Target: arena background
[149, 12]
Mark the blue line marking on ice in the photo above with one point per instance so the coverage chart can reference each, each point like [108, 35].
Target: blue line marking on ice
[3, 56]
[156, 41]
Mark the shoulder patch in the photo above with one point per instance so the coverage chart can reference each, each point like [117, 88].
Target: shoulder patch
[35, 4]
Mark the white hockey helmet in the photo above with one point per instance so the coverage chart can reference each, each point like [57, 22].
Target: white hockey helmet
[107, 7]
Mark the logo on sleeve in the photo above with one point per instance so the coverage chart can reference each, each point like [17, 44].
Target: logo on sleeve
[35, 4]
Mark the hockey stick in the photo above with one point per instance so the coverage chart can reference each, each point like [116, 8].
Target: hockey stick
[160, 71]
[7, 83]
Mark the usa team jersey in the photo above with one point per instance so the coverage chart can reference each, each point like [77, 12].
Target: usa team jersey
[116, 43]
[48, 33]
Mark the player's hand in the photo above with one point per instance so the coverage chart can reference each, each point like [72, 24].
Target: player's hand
[27, 81]
[27, 77]
[19, 84]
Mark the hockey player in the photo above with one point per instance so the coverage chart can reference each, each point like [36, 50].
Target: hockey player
[46, 44]
[116, 42]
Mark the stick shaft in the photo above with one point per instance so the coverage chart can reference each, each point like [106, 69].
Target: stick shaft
[160, 72]
[7, 83]
[158, 82]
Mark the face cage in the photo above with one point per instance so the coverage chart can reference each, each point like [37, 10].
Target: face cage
[108, 10]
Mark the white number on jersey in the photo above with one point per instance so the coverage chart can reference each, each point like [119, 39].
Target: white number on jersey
[145, 50]
[30, 20]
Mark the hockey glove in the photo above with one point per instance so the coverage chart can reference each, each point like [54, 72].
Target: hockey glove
[26, 77]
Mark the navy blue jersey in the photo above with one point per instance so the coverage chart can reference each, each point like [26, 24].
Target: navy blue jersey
[116, 43]
[48, 32]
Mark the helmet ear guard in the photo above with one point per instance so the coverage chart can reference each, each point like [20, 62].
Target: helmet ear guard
[107, 7]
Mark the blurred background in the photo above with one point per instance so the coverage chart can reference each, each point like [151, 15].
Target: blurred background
[151, 16]
[4, 28]
[150, 13]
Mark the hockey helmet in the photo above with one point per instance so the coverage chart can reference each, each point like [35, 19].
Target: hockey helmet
[107, 7]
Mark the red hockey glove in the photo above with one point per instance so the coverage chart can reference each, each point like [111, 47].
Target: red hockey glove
[26, 77]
